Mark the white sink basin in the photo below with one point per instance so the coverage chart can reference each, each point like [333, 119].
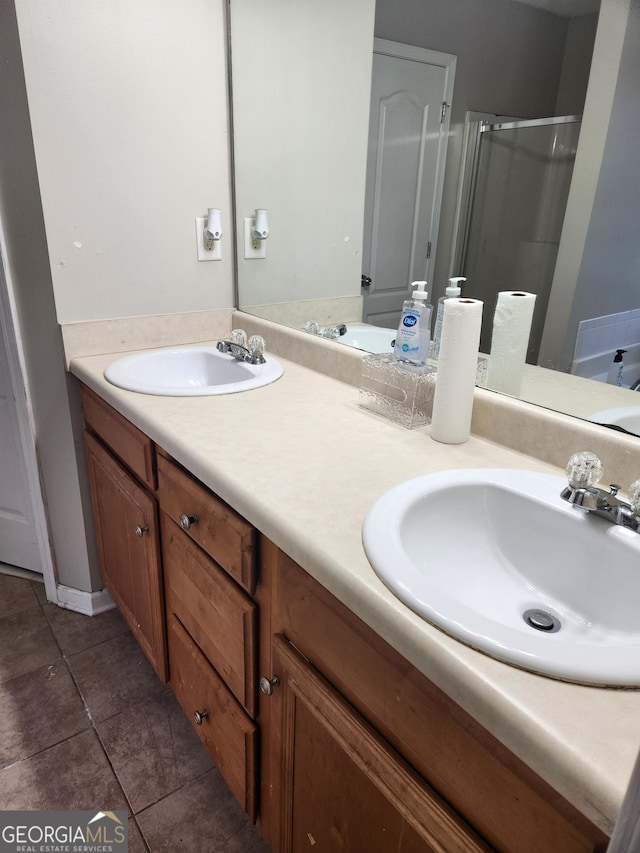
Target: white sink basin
[627, 417]
[189, 371]
[368, 338]
[472, 550]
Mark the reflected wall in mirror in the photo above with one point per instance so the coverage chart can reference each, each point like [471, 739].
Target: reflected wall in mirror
[301, 95]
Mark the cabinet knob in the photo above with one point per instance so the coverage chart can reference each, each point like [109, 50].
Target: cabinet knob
[198, 717]
[187, 520]
[140, 531]
[267, 684]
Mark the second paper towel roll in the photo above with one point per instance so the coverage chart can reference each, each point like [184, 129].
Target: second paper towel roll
[510, 341]
[457, 365]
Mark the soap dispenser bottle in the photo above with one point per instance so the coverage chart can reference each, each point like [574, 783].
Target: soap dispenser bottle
[614, 376]
[454, 289]
[413, 337]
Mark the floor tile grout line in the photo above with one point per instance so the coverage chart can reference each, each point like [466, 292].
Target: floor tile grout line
[179, 788]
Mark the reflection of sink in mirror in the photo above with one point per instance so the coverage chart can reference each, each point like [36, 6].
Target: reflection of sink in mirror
[368, 338]
[487, 554]
[627, 417]
[189, 372]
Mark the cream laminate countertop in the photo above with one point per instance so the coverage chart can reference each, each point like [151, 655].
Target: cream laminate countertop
[303, 463]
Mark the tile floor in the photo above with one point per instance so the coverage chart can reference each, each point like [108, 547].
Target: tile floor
[86, 724]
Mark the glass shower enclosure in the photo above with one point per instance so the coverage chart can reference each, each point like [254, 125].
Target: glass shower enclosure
[520, 177]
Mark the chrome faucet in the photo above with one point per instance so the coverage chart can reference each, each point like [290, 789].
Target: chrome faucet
[251, 354]
[584, 471]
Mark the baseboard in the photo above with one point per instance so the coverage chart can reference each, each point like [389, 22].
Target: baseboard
[89, 603]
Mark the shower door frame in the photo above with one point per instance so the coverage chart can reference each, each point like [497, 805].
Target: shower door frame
[475, 124]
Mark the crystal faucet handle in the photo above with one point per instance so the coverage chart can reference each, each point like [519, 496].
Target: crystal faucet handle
[634, 496]
[256, 345]
[584, 470]
[239, 337]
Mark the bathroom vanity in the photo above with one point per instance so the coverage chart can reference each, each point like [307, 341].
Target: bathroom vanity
[335, 714]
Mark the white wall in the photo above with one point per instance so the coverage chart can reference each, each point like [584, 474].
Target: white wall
[609, 280]
[128, 104]
[301, 83]
[576, 65]
[598, 255]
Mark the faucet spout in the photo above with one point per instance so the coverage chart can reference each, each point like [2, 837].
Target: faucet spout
[240, 353]
[583, 493]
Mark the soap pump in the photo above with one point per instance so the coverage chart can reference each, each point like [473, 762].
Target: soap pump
[614, 377]
[454, 289]
[413, 336]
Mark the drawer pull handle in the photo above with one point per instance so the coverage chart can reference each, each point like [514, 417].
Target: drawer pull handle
[198, 717]
[187, 520]
[140, 531]
[267, 684]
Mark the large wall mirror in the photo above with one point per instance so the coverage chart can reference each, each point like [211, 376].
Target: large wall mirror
[557, 82]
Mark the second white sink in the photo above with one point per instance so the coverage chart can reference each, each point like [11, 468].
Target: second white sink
[627, 417]
[189, 371]
[477, 552]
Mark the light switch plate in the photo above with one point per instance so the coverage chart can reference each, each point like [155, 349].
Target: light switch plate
[204, 253]
[249, 251]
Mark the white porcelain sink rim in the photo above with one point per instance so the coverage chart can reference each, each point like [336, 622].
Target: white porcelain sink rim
[587, 654]
[627, 417]
[142, 372]
[374, 339]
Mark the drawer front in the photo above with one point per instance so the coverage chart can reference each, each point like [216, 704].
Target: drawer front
[218, 530]
[132, 446]
[227, 732]
[220, 617]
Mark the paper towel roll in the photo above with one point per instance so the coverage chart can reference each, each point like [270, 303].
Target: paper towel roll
[457, 365]
[511, 330]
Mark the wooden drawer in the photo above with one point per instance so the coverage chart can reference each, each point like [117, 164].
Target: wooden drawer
[227, 732]
[221, 532]
[220, 617]
[132, 446]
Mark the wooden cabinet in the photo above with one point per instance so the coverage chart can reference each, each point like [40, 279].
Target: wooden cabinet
[126, 523]
[210, 565]
[181, 566]
[350, 747]
[341, 786]
[345, 684]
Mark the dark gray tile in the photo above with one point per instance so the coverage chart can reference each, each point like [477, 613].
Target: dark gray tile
[16, 594]
[202, 815]
[26, 643]
[153, 749]
[247, 840]
[136, 841]
[38, 709]
[74, 774]
[113, 676]
[39, 590]
[76, 632]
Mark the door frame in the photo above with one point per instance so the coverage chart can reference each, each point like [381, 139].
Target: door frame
[10, 331]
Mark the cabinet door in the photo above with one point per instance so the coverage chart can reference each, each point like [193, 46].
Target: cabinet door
[126, 523]
[341, 786]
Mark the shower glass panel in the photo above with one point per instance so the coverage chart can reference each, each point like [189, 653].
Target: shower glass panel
[522, 176]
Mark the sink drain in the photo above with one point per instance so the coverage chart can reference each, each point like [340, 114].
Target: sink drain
[541, 620]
